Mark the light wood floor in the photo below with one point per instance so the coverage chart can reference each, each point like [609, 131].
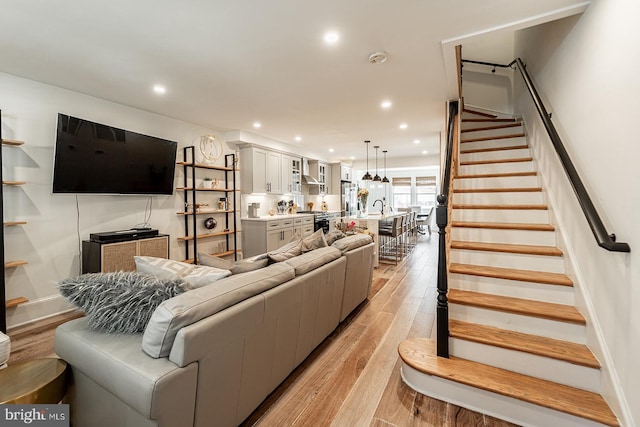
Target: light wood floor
[353, 377]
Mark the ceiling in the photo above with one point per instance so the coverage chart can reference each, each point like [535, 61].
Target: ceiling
[228, 64]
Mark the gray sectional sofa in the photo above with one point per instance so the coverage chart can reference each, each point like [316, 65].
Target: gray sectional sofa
[210, 356]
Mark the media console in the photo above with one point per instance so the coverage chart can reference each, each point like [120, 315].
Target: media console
[117, 255]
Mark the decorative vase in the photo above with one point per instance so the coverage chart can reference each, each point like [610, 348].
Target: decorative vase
[363, 204]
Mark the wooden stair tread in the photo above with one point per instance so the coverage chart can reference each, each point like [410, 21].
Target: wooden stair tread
[469, 120]
[501, 207]
[498, 190]
[489, 138]
[488, 150]
[494, 161]
[496, 127]
[524, 307]
[576, 354]
[512, 274]
[420, 354]
[479, 113]
[496, 175]
[509, 248]
[504, 225]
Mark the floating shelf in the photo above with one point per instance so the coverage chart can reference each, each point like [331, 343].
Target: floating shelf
[220, 190]
[16, 301]
[12, 142]
[203, 166]
[11, 223]
[205, 236]
[221, 254]
[205, 213]
[13, 264]
[13, 182]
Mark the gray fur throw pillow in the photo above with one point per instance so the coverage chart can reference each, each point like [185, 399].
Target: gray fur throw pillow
[121, 302]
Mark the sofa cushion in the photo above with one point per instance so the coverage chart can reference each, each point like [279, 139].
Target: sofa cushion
[196, 275]
[195, 305]
[314, 241]
[334, 235]
[313, 259]
[352, 242]
[120, 302]
[240, 266]
[285, 252]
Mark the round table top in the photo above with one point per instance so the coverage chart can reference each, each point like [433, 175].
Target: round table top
[34, 381]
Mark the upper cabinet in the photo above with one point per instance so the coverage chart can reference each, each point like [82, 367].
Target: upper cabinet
[322, 172]
[345, 172]
[269, 172]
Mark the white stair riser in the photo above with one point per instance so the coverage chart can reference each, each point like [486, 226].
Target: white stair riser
[495, 155]
[527, 216]
[496, 114]
[492, 132]
[501, 198]
[528, 364]
[496, 168]
[515, 322]
[491, 143]
[550, 264]
[502, 407]
[497, 182]
[513, 288]
[522, 237]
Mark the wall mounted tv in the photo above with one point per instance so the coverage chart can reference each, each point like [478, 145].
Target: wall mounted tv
[100, 159]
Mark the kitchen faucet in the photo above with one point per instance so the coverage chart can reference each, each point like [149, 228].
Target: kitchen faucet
[381, 205]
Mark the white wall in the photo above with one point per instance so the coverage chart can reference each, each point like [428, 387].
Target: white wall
[586, 70]
[49, 241]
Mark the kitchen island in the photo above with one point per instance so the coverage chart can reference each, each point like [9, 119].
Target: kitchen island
[371, 222]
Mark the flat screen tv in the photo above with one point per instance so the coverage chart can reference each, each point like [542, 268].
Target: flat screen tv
[100, 159]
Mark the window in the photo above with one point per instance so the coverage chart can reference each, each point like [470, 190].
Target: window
[426, 191]
[401, 192]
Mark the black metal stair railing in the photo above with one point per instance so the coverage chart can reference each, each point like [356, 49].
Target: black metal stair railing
[604, 239]
[442, 216]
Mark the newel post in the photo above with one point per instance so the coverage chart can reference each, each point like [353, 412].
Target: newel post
[442, 310]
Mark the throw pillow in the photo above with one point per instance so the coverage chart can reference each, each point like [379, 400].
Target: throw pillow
[240, 266]
[314, 241]
[285, 252]
[334, 235]
[196, 275]
[121, 302]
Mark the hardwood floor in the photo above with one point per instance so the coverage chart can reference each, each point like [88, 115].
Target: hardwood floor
[353, 377]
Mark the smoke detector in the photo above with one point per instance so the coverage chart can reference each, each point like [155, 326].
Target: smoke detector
[378, 57]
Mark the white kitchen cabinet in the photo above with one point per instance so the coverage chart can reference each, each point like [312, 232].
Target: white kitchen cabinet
[260, 235]
[322, 173]
[345, 173]
[261, 171]
[291, 167]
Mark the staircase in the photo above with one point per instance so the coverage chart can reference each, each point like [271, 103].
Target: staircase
[517, 342]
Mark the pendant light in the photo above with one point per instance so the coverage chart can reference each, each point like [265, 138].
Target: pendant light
[377, 177]
[385, 180]
[367, 176]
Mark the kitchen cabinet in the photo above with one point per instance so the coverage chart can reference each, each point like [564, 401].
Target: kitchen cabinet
[260, 235]
[274, 172]
[345, 173]
[322, 173]
[291, 174]
[266, 171]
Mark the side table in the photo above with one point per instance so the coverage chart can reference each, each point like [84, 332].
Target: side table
[37, 381]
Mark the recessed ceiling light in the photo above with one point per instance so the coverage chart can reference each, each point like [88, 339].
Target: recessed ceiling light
[385, 104]
[331, 150]
[403, 126]
[257, 125]
[298, 138]
[331, 37]
[352, 157]
[425, 152]
[159, 89]
[416, 141]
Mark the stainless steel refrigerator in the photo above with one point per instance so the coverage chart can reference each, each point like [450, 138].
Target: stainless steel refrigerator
[348, 199]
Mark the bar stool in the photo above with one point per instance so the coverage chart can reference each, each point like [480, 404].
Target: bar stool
[389, 241]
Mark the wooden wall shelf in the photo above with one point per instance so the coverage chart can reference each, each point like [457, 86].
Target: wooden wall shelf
[205, 236]
[203, 166]
[12, 142]
[220, 190]
[206, 213]
[13, 182]
[12, 223]
[14, 264]
[15, 302]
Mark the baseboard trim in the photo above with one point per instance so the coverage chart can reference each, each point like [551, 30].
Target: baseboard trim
[37, 310]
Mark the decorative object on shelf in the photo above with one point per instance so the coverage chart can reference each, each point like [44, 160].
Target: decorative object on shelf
[293, 207]
[323, 206]
[210, 223]
[310, 206]
[281, 207]
[210, 183]
[377, 177]
[272, 212]
[367, 176]
[363, 194]
[253, 210]
[210, 149]
[222, 203]
[385, 180]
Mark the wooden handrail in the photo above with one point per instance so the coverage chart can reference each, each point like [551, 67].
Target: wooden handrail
[604, 239]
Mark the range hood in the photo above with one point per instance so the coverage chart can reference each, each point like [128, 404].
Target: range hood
[306, 178]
